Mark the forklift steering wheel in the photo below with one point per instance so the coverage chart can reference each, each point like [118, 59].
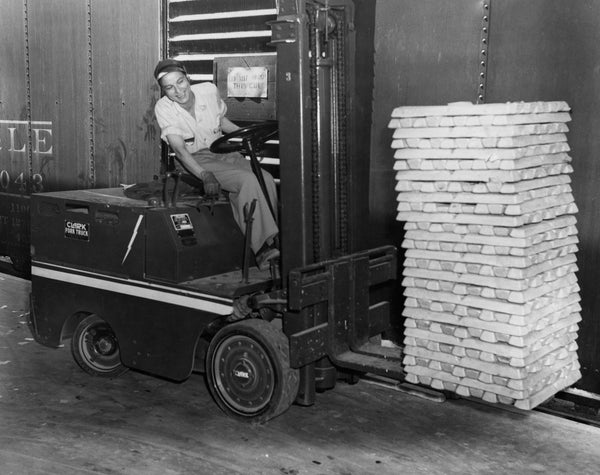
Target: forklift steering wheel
[253, 138]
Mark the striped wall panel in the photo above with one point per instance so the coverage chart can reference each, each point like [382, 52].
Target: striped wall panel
[178, 8]
[197, 31]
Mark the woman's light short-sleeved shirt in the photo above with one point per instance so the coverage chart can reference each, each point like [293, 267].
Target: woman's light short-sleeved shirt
[200, 132]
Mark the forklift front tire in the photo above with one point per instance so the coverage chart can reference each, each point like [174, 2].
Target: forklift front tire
[95, 348]
[248, 371]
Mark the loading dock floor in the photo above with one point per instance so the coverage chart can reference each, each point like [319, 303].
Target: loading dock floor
[55, 419]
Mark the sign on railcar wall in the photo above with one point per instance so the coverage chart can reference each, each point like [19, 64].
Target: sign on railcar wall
[247, 82]
[248, 86]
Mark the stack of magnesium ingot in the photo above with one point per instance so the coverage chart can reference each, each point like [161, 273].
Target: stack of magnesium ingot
[492, 301]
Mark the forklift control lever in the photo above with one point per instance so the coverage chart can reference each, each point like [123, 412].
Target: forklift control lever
[170, 201]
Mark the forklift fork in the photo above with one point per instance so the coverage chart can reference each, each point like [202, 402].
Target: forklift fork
[339, 300]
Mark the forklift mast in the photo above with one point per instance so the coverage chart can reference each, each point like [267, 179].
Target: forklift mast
[336, 290]
[315, 45]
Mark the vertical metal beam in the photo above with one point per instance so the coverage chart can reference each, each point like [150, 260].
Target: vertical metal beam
[290, 34]
[165, 29]
[320, 42]
[91, 149]
[294, 108]
[484, 50]
[28, 95]
[322, 116]
[342, 150]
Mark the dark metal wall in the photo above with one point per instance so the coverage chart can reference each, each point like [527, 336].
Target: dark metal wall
[125, 38]
[426, 52]
[76, 102]
[429, 52]
[59, 89]
[13, 91]
[550, 50]
[76, 86]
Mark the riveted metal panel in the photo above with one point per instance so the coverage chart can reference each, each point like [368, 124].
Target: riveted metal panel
[550, 50]
[361, 102]
[125, 40]
[58, 51]
[426, 52]
[14, 161]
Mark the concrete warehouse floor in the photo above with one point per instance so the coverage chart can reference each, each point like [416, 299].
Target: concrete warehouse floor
[56, 419]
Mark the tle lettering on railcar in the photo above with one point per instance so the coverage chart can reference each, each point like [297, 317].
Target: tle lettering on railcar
[20, 139]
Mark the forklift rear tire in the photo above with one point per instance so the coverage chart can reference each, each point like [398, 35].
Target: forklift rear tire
[95, 348]
[248, 371]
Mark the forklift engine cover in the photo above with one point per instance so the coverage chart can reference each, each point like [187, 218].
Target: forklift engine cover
[89, 246]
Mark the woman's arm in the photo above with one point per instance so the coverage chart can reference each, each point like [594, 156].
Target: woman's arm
[178, 146]
[211, 185]
[227, 126]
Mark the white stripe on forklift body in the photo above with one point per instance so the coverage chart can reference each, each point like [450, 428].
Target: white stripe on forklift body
[135, 288]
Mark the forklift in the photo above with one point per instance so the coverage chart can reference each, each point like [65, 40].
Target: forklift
[163, 281]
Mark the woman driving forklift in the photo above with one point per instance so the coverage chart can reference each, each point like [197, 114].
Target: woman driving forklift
[191, 118]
